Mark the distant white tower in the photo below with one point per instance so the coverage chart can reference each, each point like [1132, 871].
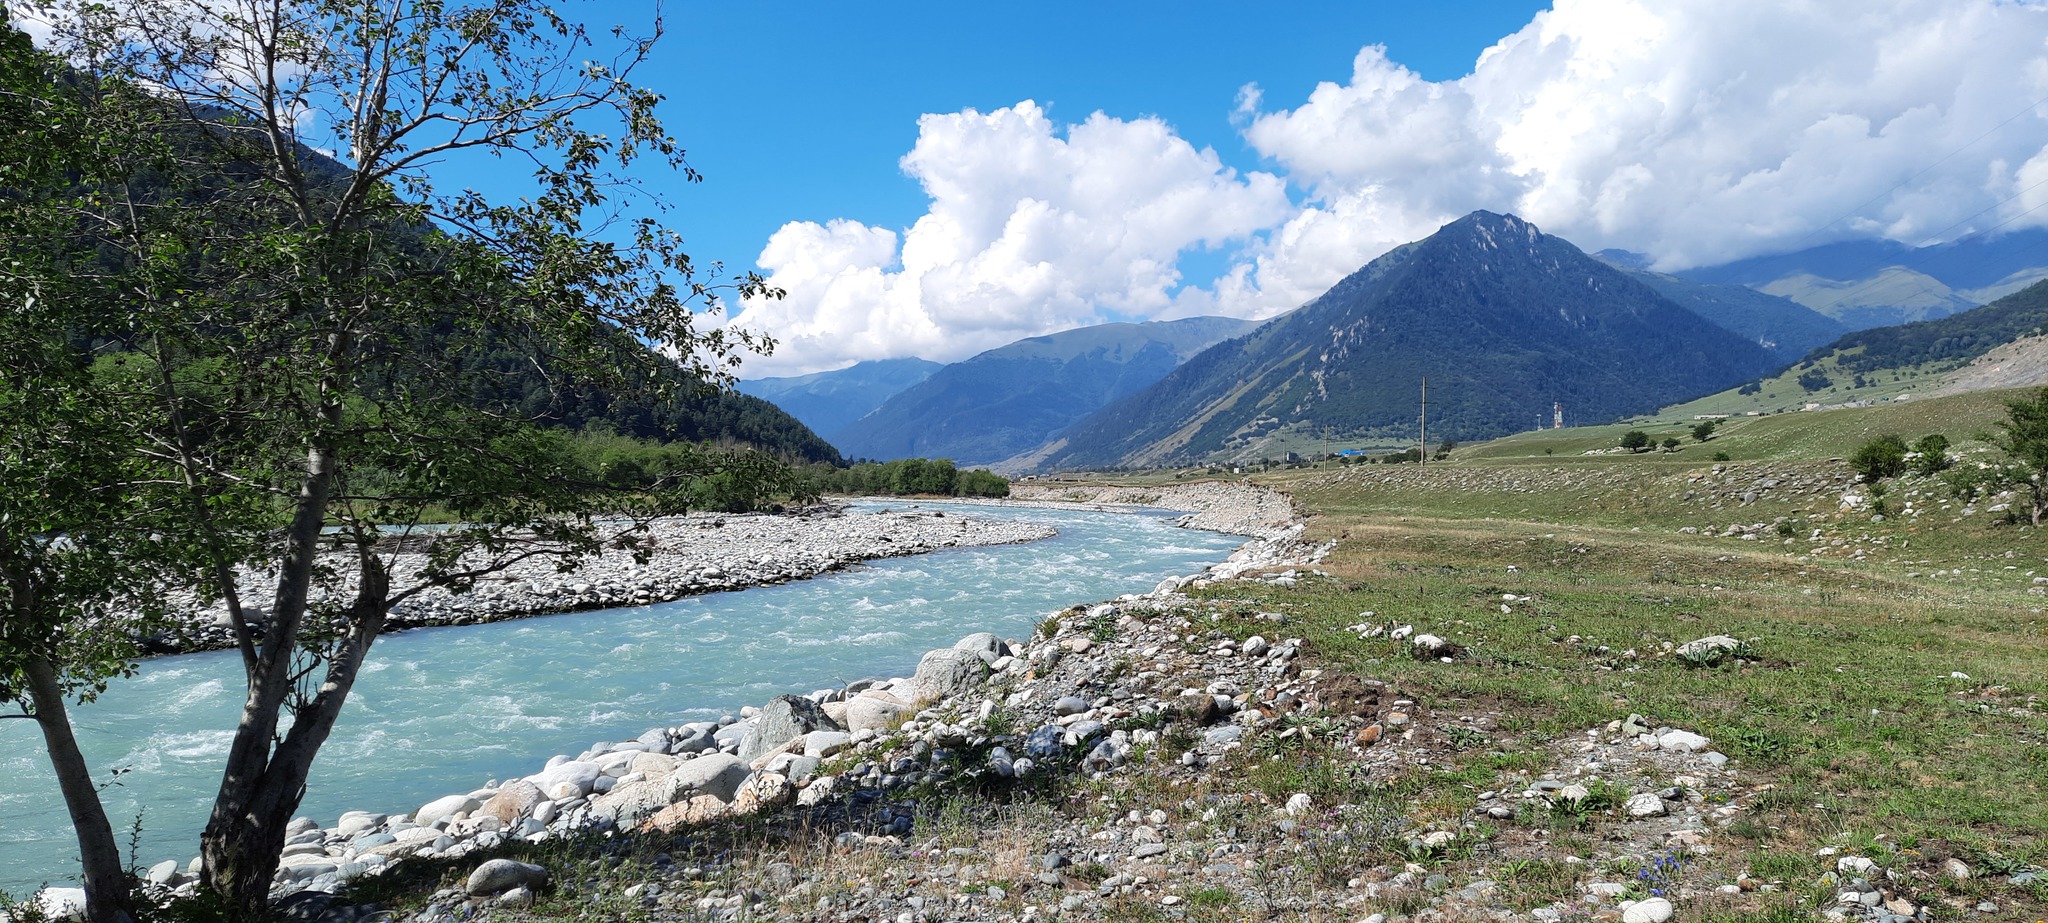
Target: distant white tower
[1557, 415]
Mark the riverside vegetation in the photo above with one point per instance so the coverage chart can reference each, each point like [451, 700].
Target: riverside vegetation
[1520, 685]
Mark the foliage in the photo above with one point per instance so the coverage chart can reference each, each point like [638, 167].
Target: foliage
[2024, 436]
[1635, 440]
[1880, 458]
[1704, 430]
[1815, 380]
[1952, 339]
[909, 476]
[1933, 455]
[1670, 444]
[314, 354]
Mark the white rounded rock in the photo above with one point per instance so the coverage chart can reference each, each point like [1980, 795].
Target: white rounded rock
[1649, 910]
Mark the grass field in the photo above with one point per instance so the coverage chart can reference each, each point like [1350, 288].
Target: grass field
[1893, 697]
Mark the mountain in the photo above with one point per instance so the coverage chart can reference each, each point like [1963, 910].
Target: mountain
[1785, 327]
[1013, 398]
[2003, 344]
[1954, 339]
[828, 401]
[1502, 318]
[1874, 283]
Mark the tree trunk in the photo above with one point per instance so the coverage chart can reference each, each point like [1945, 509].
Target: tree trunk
[108, 895]
[242, 841]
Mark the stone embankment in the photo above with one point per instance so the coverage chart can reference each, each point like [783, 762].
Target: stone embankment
[1237, 508]
[687, 555]
[1019, 708]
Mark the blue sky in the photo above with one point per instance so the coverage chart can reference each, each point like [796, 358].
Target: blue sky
[800, 111]
[939, 179]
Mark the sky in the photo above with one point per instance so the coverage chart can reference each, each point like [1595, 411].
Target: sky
[940, 179]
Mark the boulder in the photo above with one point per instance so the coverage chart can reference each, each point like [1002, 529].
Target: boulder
[1711, 649]
[821, 744]
[1681, 742]
[786, 718]
[513, 801]
[874, 712]
[1651, 910]
[62, 903]
[949, 672]
[572, 779]
[682, 814]
[627, 803]
[1646, 804]
[444, 808]
[766, 791]
[985, 644]
[164, 873]
[652, 765]
[503, 875]
[716, 774]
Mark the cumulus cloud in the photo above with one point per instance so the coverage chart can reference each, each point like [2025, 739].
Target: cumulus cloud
[1033, 227]
[1697, 132]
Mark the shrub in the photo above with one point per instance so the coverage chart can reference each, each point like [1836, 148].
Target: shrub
[1933, 460]
[1704, 431]
[1880, 458]
[1635, 440]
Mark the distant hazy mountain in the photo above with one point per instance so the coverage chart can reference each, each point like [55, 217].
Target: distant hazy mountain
[1956, 339]
[1874, 283]
[828, 401]
[1785, 327]
[1012, 398]
[1502, 318]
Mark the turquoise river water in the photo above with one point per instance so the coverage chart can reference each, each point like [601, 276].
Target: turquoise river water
[443, 710]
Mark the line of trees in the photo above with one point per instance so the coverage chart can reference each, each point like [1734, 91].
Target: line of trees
[906, 477]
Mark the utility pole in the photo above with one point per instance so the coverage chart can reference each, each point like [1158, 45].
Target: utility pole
[1422, 457]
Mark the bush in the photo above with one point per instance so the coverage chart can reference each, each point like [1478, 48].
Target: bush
[1933, 460]
[1670, 443]
[1635, 440]
[1704, 431]
[1883, 457]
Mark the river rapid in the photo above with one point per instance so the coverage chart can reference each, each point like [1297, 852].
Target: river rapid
[447, 709]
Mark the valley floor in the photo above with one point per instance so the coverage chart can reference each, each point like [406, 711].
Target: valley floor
[1599, 689]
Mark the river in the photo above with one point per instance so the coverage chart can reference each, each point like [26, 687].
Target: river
[444, 710]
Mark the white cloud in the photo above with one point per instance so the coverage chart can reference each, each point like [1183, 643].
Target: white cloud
[1697, 131]
[1032, 228]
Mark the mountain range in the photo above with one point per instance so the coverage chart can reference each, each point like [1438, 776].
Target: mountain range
[1502, 318]
[1875, 283]
[828, 401]
[1013, 398]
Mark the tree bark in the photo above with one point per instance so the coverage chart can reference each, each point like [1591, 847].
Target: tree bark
[109, 897]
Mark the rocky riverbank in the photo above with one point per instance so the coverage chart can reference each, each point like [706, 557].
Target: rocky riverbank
[1175, 754]
[688, 555]
[1239, 508]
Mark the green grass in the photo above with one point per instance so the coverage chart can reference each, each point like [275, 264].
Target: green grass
[1848, 705]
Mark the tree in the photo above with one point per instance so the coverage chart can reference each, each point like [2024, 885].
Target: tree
[1880, 458]
[1815, 380]
[88, 537]
[1704, 430]
[1670, 443]
[296, 331]
[1635, 440]
[2024, 436]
